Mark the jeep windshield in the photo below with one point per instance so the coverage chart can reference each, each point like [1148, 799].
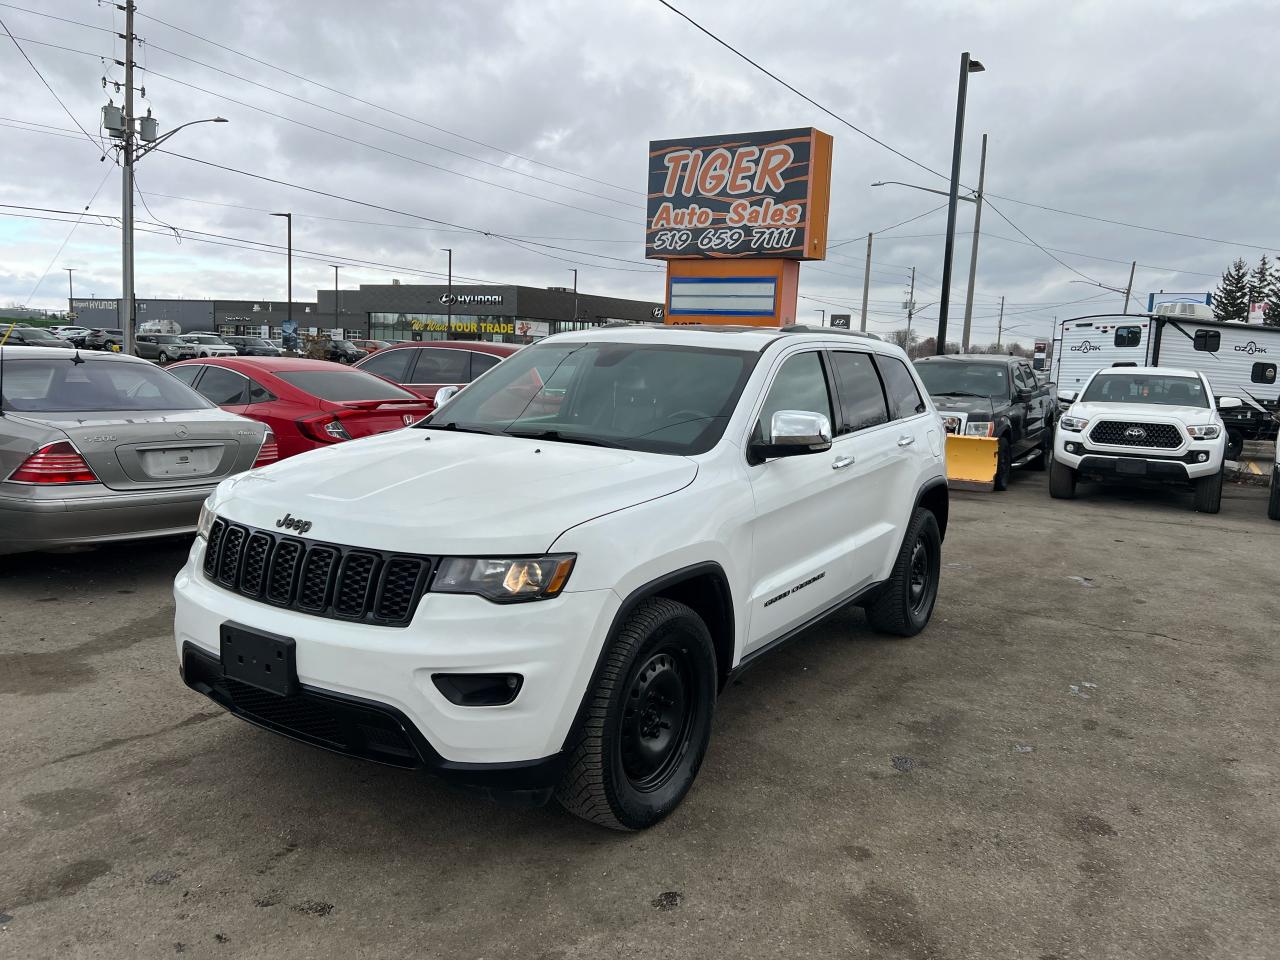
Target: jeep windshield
[659, 398]
[1146, 388]
[960, 378]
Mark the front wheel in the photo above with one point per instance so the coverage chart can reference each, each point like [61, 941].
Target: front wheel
[1044, 456]
[648, 720]
[905, 603]
[1209, 493]
[1235, 445]
[1004, 464]
[1273, 505]
[164, 358]
[1062, 481]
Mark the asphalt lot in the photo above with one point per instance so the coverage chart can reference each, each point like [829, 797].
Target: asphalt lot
[1079, 758]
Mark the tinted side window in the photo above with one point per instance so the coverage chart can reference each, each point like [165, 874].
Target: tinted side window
[480, 362]
[392, 364]
[441, 365]
[224, 387]
[1128, 336]
[1263, 373]
[862, 402]
[1208, 340]
[801, 384]
[904, 397]
[187, 374]
[258, 393]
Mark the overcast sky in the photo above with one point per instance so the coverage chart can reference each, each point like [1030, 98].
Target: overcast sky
[1164, 114]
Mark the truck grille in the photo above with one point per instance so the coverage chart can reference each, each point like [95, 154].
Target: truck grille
[322, 579]
[1128, 433]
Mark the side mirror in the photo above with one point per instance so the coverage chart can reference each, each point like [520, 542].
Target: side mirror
[1069, 396]
[795, 433]
[445, 394]
[1229, 403]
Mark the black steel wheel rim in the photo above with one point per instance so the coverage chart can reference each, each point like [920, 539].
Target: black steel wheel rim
[657, 716]
[921, 576]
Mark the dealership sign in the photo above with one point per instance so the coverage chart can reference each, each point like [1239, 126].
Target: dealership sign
[465, 298]
[748, 195]
[463, 325]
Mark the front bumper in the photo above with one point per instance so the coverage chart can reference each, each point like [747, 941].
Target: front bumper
[1182, 464]
[104, 516]
[344, 666]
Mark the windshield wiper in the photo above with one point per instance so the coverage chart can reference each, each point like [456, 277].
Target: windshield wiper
[961, 393]
[557, 436]
[421, 425]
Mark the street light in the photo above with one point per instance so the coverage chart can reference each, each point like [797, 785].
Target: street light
[449, 329]
[967, 67]
[290, 332]
[914, 186]
[336, 310]
[575, 298]
[822, 322]
[71, 293]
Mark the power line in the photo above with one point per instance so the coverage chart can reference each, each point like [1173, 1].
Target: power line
[96, 145]
[67, 239]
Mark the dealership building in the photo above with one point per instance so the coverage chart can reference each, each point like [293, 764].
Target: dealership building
[395, 311]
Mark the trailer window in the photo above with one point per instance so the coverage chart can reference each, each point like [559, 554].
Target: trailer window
[1264, 373]
[1207, 340]
[1128, 336]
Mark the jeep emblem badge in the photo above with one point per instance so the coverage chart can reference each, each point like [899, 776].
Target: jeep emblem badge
[290, 522]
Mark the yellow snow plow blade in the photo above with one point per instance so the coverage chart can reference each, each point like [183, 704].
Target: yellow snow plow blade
[971, 462]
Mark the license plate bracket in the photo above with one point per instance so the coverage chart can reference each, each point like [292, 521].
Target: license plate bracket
[263, 660]
[1133, 468]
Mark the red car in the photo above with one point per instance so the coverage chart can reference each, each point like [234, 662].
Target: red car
[307, 403]
[371, 346]
[426, 367]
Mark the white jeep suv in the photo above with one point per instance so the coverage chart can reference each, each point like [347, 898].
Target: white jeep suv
[542, 587]
[1153, 423]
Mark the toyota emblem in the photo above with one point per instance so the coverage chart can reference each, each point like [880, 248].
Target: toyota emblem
[1135, 433]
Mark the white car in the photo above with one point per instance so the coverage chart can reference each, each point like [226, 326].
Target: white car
[543, 586]
[1153, 423]
[70, 333]
[209, 345]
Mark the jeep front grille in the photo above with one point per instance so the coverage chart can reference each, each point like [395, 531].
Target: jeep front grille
[322, 579]
[1129, 433]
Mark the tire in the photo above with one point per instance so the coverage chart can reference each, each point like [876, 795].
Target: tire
[633, 765]
[164, 358]
[1062, 481]
[1209, 493]
[905, 604]
[1235, 445]
[1042, 459]
[1273, 505]
[1004, 464]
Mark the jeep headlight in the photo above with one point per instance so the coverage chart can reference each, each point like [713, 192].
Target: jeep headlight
[1074, 424]
[982, 428]
[205, 523]
[1208, 432]
[505, 579]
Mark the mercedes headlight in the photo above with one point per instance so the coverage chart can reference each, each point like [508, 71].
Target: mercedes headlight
[1074, 424]
[505, 579]
[1208, 432]
[982, 428]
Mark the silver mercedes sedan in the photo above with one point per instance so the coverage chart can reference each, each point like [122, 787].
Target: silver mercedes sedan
[99, 447]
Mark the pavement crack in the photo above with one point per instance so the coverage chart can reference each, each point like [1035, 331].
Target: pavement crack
[121, 741]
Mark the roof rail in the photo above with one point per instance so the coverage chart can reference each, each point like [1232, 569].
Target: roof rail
[809, 328]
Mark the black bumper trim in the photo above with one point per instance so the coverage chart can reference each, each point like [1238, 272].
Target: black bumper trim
[1156, 468]
[367, 730]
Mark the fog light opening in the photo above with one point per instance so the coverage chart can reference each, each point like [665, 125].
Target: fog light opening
[1202, 457]
[479, 689]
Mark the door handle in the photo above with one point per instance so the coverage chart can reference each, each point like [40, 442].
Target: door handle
[906, 441]
[839, 463]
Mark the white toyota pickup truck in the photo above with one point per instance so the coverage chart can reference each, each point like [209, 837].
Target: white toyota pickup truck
[543, 587]
[1151, 423]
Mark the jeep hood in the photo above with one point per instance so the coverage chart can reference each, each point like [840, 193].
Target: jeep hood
[438, 492]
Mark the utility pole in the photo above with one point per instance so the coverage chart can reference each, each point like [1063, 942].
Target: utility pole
[1128, 291]
[336, 309]
[866, 286]
[973, 250]
[126, 187]
[71, 292]
[967, 67]
[449, 328]
[575, 297]
[290, 332]
[911, 304]
[1000, 325]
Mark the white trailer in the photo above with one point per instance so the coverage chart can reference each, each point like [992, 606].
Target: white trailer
[1085, 345]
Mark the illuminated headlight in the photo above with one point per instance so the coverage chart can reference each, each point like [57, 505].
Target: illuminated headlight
[1208, 432]
[951, 424]
[505, 580]
[205, 522]
[1074, 424]
[982, 428]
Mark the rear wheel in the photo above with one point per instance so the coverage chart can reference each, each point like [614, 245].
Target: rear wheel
[648, 720]
[1209, 493]
[1273, 505]
[1044, 455]
[1004, 464]
[1062, 481]
[905, 603]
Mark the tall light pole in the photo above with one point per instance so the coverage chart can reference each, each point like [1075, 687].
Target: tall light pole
[822, 321]
[967, 66]
[973, 249]
[575, 297]
[866, 286]
[449, 298]
[290, 331]
[336, 310]
[71, 292]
